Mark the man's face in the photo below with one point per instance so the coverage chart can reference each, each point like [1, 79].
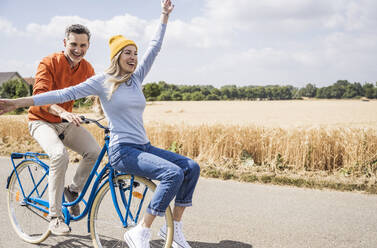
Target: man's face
[76, 46]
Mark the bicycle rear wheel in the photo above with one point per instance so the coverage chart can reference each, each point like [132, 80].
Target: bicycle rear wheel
[105, 225]
[30, 224]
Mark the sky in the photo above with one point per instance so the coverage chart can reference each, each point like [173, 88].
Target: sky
[207, 42]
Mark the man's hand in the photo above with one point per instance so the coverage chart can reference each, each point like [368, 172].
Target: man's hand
[72, 118]
[62, 113]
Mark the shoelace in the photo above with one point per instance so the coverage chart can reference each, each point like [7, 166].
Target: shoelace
[58, 221]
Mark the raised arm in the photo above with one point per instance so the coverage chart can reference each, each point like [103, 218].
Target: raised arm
[166, 8]
[155, 45]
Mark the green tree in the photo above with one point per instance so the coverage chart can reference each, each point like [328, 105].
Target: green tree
[352, 90]
[197, 96]
[165, 96]
[206, 90]
[176, 96]
[87, 102]
[260, 92]
[216, 92]
[368, 89]
[269, 94]
[251, 93]
[186, 96]
[286, 92]
[241, 93]
[338, 89]
[14, 88]
[151, 91]
[212, 97]
[324, 92]
[21, 89]
[309, 90]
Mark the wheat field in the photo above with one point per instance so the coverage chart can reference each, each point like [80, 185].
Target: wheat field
[283, 114]
[313, 143]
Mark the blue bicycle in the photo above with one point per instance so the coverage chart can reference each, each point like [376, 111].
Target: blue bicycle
[116, 202]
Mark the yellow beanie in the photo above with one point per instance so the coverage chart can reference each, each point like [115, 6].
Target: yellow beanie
[117, 43]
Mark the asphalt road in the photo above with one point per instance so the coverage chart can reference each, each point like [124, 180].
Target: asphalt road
[245, 215]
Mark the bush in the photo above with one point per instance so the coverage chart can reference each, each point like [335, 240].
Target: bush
[14, 88]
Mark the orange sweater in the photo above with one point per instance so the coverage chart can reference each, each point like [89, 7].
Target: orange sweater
[54, 73]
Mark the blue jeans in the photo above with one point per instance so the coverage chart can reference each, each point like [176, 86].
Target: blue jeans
[177, 174]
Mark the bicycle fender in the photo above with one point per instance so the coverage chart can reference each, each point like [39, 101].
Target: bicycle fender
[8, 180]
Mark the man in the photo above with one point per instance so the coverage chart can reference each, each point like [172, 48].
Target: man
[58, 71]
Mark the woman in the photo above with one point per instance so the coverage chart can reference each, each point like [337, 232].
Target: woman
[120, 92]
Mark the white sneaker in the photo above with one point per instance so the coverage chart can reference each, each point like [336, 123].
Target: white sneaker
[58, 227]
[179, 240]
[138, 237]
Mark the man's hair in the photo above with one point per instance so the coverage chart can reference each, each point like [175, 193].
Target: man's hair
[77, 29]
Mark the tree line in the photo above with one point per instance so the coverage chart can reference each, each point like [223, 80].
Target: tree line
[163, 91]
[342, 89]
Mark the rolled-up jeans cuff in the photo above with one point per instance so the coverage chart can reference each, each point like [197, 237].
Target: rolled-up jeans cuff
[183, 204]
[155, 212]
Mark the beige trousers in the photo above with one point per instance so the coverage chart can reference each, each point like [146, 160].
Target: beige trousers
[76, 138]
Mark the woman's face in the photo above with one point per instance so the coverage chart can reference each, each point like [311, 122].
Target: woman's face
[128, 59]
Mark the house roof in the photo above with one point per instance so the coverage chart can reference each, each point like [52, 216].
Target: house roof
[29, 80]
[5, 76]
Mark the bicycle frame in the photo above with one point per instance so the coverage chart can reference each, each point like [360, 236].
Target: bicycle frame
[107, 173]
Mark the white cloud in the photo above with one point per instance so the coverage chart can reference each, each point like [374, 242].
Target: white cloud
[55, 28]
[7, 27]
[126, 24]
[19, 65]
[241, 41]
[198, 33]
[130, 26]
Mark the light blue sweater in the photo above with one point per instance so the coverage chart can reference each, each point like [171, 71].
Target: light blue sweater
[125, 109]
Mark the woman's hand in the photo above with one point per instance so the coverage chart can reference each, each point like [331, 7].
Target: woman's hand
[167, 7]
[7, 105]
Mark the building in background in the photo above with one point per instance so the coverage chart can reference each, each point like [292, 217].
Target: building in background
[7, 76]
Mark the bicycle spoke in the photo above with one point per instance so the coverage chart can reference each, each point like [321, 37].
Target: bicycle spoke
[105, 224]
[29, 222]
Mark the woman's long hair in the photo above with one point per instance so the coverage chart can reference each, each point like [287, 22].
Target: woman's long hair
[114, 80]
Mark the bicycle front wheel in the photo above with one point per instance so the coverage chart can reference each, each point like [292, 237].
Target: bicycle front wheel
[106, 227]
[30, 223]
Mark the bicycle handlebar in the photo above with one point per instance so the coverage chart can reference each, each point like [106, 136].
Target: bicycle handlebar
[88, 121]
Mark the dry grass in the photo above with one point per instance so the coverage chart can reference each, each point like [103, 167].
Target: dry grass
[339, 158]
[342, 157]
